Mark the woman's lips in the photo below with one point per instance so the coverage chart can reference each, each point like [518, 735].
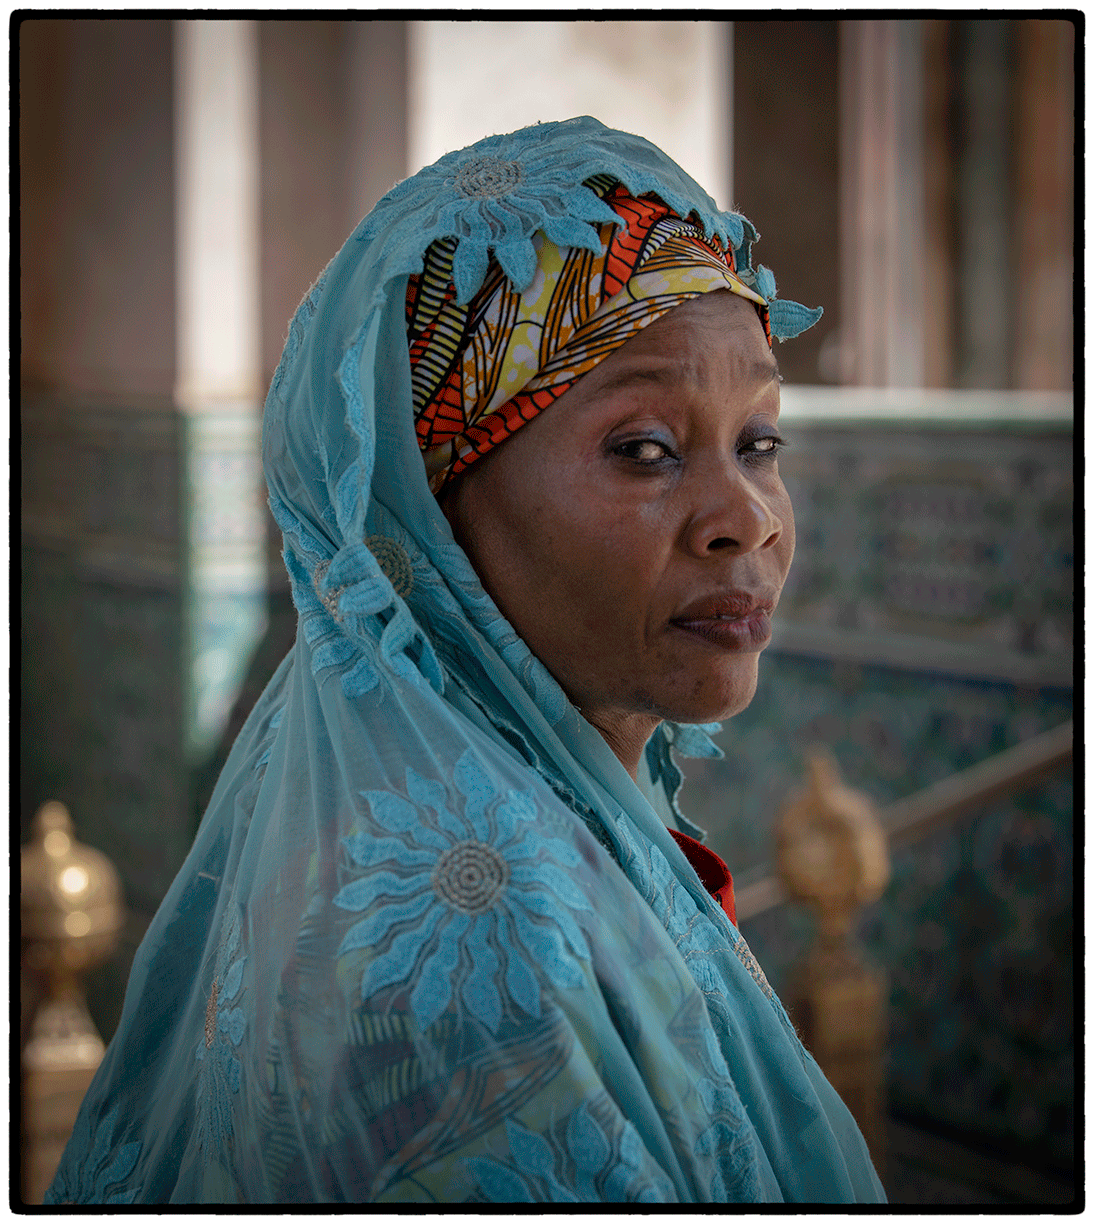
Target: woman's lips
[733, 620]
[732, 633]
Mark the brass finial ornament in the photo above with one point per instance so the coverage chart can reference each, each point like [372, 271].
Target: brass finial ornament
[72, 914]
[833, 854]
[831, 850]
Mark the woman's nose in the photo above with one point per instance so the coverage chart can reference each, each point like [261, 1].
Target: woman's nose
[737, 517]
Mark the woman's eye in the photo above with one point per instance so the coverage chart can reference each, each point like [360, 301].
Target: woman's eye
[766, 447]
[643, 450]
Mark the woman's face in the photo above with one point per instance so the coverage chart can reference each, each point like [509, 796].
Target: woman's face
[637, 534]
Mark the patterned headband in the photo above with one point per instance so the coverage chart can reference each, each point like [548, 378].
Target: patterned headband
[481, 370]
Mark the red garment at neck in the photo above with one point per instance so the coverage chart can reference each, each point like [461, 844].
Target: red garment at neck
[711, 871]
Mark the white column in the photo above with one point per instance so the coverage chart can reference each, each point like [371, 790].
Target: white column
[218, 358]
[664, 80]
[217, 213]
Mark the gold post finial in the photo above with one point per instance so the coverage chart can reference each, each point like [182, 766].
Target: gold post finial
[832, 853]
[72, 913]
[831, 849]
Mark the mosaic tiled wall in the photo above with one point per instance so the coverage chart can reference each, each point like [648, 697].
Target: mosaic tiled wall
[103, 635]
[141, 601]
[958, 539]
[928, 627]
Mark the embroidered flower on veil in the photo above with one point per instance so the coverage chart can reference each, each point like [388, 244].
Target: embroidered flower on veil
[463, 903]
[498, 193]
[498, 197]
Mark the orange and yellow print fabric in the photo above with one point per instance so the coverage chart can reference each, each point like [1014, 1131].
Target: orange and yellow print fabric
[480, 371]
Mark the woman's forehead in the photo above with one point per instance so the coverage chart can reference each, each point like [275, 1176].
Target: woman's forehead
[689, 337]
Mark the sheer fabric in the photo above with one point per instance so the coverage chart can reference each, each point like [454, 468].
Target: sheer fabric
[432, 944]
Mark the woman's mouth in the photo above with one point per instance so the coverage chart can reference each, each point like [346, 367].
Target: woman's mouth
[733, 620]
[749, 632]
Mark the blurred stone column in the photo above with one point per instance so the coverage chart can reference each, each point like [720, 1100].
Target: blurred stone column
[1044, 153]
[986, 268]
[938, 218]
[786, 143]
[376, 111]
[881, 203]
[332, 131]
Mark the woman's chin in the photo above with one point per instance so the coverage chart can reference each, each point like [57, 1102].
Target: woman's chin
[714, 698]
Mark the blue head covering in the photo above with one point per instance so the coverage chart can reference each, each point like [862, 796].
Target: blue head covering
[432, 942]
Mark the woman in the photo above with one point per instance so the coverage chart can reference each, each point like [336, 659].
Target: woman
[440, 937]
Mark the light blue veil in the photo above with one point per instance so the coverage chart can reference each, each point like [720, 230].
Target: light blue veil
[432, 943]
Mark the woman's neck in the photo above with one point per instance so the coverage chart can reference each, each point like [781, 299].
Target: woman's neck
[626, 734]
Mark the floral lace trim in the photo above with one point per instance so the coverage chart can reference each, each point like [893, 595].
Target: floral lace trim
[493, 197]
